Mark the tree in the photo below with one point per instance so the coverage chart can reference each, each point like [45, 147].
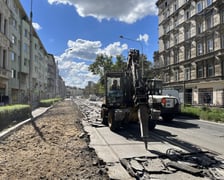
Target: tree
[104, 63]
[120, 63]
[101, 64]
[148, 68]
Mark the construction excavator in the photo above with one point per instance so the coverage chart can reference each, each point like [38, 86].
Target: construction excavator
[127, 98]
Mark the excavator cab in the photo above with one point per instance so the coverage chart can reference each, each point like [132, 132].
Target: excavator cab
[114, 93]
[118, 90]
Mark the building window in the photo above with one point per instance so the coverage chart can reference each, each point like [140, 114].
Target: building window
[176, 39]
[187, 14]
[25, 61]
[200, 71]
[166, 77]
[187, 33]
[199, 48]
[210, 45]
[222, 41]
[13, 56]
[166, 28]
[14, 23]
[208, 2]
[166, 60]
[209, 21]
[210, 70]
[205, 95]
[175, 21]
[176, 75]
[13, 39]
[187, 52]
[168, 12]
[5, 27]
[13, 73]
[175, 5]
[164, 15]
[25, 48]
[187, 73]
[167, 44]
[176, 56]
[222, 16]
[4, 57]
[199, 27]
[26, 33]
[199, 6]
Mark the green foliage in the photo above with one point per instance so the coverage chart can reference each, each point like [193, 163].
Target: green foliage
[120, 63]
[148, 69]
[104, 63]
[205, 112]
[13, 113]
[49, 102]
[13, 107]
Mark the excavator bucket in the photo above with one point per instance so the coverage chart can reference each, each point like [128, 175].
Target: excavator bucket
[143, 116]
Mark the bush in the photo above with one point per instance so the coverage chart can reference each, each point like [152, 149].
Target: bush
[205, 112]
[48, 102]
[13, 114]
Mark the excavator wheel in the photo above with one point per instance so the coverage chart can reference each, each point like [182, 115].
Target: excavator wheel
[111, 121]
[105, 121]
[104, 115]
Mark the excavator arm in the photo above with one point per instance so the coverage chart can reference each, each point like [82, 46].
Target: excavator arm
[140, 96]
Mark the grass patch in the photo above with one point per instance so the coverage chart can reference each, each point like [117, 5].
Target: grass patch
[204, 112]
[13, 114]
[49, 102]
[13, 107]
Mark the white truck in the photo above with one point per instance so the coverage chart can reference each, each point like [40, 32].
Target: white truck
[168, 102]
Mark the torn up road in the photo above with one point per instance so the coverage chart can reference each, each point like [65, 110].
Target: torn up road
[53, 146]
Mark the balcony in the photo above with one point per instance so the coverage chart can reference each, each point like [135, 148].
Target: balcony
[5, 73]
[186, 5]
[219, 4]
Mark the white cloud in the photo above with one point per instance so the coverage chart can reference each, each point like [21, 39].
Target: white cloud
[83, 49]
[144, 37]
[125, 11]
[75, 73]
[114, 49]
[74, 62]
[36, 26]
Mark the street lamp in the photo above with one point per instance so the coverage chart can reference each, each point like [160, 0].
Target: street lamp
[122, 37]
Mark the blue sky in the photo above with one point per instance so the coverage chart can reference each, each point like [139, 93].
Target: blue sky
[75, 31]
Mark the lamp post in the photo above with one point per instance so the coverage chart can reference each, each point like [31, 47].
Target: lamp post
[31, 55]
[122, 37]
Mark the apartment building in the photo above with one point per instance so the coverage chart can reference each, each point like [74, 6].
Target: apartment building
[4, 48]
[24, 61]
[191, 49]
[51, 89]
[39, 69]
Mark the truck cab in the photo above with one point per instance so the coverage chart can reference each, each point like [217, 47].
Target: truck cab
[168, 105]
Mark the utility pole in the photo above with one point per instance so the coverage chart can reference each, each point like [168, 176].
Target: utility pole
[122, 37]
[31, 57]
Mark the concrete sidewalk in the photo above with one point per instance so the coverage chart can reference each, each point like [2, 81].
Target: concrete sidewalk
[35, 113]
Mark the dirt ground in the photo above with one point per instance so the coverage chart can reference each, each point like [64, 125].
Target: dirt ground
[54, 146]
